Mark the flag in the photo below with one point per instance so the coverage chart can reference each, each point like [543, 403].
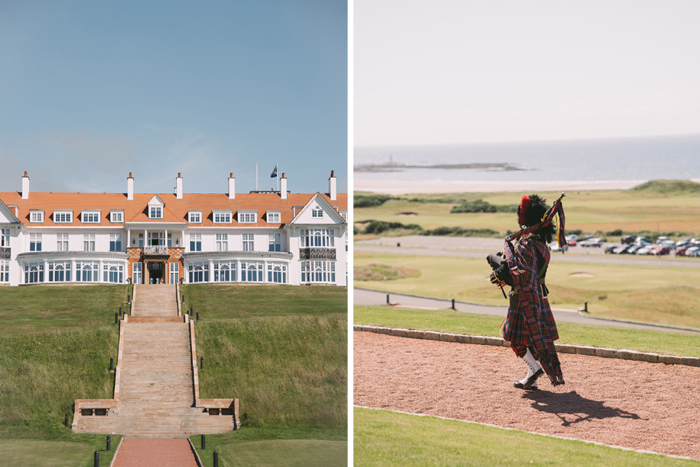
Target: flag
[274, 172]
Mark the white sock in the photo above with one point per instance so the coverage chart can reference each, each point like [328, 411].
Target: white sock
[531, 362]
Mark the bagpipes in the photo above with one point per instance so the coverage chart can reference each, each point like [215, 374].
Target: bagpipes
[498, 261]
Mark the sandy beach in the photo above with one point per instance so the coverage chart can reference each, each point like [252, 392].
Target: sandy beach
[396, 187]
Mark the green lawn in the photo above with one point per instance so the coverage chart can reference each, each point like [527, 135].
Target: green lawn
[282, 351]
[659, 295]
[41, 453]
[667, 343]
[222, 302]
[394, 439]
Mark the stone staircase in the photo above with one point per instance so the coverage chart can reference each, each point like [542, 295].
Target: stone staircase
[155, 394]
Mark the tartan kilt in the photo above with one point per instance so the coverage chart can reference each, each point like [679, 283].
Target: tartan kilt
[516, 331]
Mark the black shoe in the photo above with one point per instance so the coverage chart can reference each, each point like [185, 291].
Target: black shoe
[531, 380]
[520, 385]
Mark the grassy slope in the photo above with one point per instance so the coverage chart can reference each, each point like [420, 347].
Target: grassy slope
[590, 211]
[55, 345]
[283, 352]
[668, 296]
[666, 343]
[388, 439]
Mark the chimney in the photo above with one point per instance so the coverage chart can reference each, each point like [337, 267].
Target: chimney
[178, 186]
[130, 188]
[231, 187]
[25, 186]
[283, 186]
[332, 191]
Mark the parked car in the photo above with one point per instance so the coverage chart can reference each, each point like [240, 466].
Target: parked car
[587, 237]
[644, 250]
[669, 243]
[692, 251]
[622, 249]
[683, 241]
[634, 248]
[591, 242]
[662, 239]
[611, 248]
[659, 250]
[571, 237]
[642, 241]
[627, 239]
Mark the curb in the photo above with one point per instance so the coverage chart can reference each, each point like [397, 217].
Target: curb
[561, 348]
[195, 453]
[116, 451]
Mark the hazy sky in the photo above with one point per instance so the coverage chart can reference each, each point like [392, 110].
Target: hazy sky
[90, 91]
[460, 71]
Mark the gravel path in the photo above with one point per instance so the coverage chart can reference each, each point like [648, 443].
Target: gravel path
[626, 403]
[155, 453]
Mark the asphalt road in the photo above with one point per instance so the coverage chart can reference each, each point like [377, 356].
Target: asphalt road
[371, 297]
[472, 247]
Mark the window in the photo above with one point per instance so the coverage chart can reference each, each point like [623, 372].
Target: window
[344, 215]
[225, 271]
[33, 273]
[318, 272]
[115, 242]
[247, 217]
[195, 242]
[317, 212]
[155, 238]
[274, 242]
[195, 217]
[113, 272]
[222, 242]
[62, 217]
[277, 273]
[174, 273]
[88, 242]
[136, 272]
[222, 217]
[155, 212]
[61, 242]
[4, 271]
[4, 238]
[59, 271]
[35, 242]
[90, 217]
[87, 271]
[248, 242]
[317, 238]
[251, 271]
[36, 216]
[116, 217]
[170, 240]
[141, 240]
[198, 272]
[273, 217]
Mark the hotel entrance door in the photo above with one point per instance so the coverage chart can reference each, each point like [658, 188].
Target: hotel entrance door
[155, 272]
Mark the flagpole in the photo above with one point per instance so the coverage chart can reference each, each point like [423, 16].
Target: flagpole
[256, 176]
[278, 175]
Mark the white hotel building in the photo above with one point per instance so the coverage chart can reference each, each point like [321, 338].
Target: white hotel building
[258, 237]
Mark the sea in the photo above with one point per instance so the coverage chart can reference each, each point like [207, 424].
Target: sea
[631, 160]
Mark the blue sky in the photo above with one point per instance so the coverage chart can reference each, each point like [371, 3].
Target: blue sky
[472, 71]
[90, 91]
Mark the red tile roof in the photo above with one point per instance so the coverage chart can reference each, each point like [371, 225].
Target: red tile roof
[175, 210]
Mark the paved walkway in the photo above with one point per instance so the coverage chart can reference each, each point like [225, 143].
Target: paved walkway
[372, 297]
[155, 453]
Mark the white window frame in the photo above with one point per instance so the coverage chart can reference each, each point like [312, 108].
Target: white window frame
[62, 241]
[225, 271]
[248, 242]
[274, 242]
[222, 217]
[36, 216]
[222, 242]
[62, 268]
[115, 241]
[196, 241]
[137, 272]
[318, 272]
[155, 212]
[174, 272]
[62, 217]
[35, 241]
[5, 238]
[247, 217]
[277, 273]
[113, 273]
[194, 217]
[116, 217]
[317, 212]
[87, 271]
[89, 242]
[4, 272]
[274, 217]
[91, 216]
[252, 270]
[317, 238]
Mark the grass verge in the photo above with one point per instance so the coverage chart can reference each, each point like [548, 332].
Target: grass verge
[667, 343]
[222, 302]
[42, 453]
[389, 438]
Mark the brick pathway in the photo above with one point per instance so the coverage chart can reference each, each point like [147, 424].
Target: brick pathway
[155, 453]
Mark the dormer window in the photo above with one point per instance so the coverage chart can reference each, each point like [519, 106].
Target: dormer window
[155, 212]
[317, 212]
[222, 217]
[194, 217]
[273, 217]
[36, 216]
[247, 217]
[116, 217]
[90, 217]
[62, 217]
